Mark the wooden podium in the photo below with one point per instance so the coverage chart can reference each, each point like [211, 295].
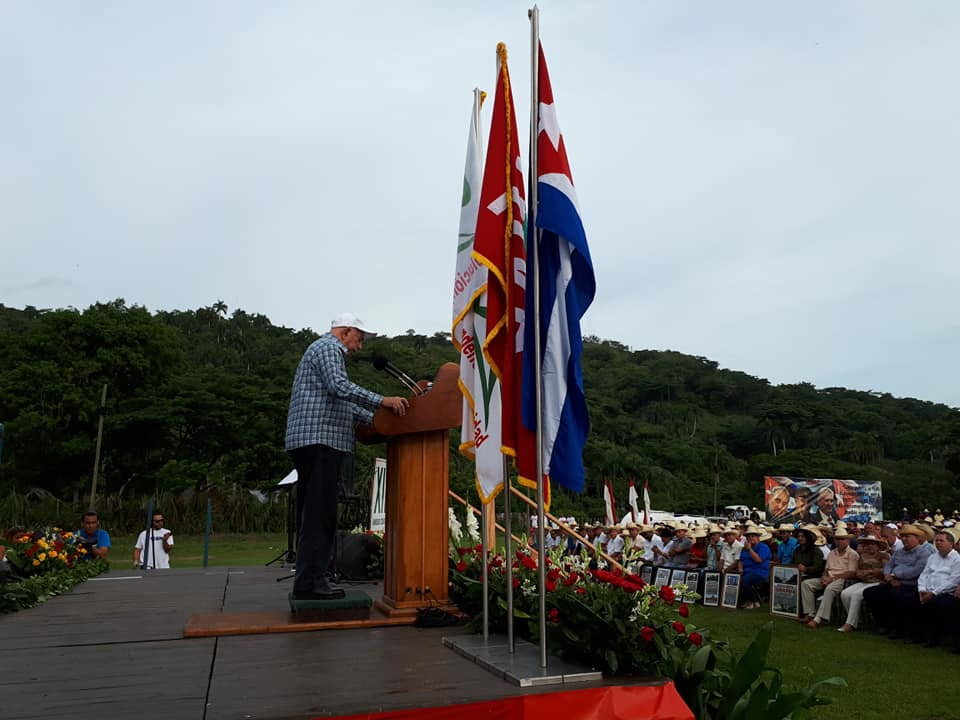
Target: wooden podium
[415, 563]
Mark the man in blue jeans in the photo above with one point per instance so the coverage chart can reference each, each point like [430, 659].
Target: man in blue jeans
[325, 408]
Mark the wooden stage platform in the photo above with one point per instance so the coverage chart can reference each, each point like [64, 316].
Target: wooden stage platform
[115, 648]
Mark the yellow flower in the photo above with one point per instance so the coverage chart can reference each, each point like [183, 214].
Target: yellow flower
[41, 557]
[83, 550]
[36, 562]
[24, 539]
[53, 553]
[67, 535]
[42, 543]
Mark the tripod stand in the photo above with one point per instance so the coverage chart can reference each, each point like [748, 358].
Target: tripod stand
[289, 556]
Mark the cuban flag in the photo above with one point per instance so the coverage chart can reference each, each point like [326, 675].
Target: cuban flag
[567, 287]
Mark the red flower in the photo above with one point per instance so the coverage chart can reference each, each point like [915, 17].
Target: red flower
[667, 594]
[571, 579]
[516, 583]
[478, 549]
[553, 574]
[461, 566]
[684, 610]
[462, 551]
[636, 580]
[605, 576]
[679, 627]
[554, 615]
[497, 561]
[550, 585]
[529, 562]
[581, 591]
[647, 633]
[696, 638]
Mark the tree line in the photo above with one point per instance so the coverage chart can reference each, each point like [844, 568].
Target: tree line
[197, 402]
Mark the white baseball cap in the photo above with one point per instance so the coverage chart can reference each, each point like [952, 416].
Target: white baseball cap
[350, 320]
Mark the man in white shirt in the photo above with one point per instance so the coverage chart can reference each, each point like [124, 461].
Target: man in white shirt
[936, 587]
[615, 544]
[152, 551]
[730, 550]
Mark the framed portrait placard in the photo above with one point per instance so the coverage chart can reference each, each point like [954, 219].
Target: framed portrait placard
[731, 590]
[663, 577]
[678, 577]
[711, 589]
[785, 591]
[646, 573]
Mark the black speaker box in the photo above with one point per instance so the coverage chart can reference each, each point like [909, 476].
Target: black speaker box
[353, 554]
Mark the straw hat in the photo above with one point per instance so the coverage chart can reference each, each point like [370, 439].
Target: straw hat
[931, 533]
[698, 533]
[752, 529]
[785, 527]
[715, 529]
[872, 538]
[625, 532]
[841, 532]
[913, 530]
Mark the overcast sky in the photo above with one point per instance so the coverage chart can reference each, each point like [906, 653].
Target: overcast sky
[770, 185]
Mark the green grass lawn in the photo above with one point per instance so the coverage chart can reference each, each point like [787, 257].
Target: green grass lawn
[886, 678]
[225, 549]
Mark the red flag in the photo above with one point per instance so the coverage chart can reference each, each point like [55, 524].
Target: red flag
[499, 245]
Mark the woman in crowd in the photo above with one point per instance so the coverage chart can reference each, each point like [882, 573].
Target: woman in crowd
[873, 556]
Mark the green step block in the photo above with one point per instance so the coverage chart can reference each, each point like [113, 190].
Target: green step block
[354, 605]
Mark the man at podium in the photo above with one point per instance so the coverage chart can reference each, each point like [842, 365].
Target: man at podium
[325, 408]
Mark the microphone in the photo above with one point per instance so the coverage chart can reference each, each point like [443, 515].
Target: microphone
[384, 365]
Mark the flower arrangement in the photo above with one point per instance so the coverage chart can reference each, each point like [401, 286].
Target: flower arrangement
[45, 551]
[616, 622]
[607, 619]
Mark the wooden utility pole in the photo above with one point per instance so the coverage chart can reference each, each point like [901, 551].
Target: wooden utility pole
[96, 461]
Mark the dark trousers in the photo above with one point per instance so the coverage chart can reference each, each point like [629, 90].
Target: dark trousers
[893, 608]
[941, 619]
[318, 477]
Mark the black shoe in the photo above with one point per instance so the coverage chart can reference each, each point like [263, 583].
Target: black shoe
[327, 594]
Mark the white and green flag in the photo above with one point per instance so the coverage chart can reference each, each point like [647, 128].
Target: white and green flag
[480, 431]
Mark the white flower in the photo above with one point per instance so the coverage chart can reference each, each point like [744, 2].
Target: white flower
[473, 527]
[456, 530]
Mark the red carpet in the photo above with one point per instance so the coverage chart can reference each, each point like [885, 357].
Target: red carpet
[660, 702]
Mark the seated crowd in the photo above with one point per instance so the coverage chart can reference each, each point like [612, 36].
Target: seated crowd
[905, 575]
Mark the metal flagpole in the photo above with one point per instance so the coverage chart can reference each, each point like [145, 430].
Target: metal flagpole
[508, 553]
[533, 268]
[484, 511]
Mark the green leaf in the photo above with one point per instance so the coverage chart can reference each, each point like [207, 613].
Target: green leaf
[701, 659]
[612, 662]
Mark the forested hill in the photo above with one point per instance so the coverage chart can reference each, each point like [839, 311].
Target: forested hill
[199, 398]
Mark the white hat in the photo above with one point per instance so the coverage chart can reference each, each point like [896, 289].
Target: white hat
[349, 320]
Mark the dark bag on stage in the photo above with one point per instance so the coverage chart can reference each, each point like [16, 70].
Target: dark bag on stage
[434, 617]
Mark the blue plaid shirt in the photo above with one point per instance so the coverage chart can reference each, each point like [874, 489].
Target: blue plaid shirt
[324, 404]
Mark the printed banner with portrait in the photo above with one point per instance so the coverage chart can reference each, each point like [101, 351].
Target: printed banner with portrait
[814, 500]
